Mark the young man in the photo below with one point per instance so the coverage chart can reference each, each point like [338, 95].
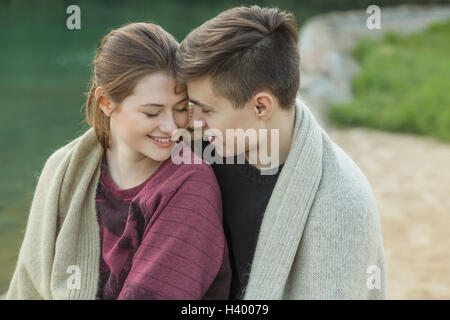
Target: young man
[309, 229]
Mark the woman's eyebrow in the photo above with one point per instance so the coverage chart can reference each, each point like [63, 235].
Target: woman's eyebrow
[161, 105]
[152, 105]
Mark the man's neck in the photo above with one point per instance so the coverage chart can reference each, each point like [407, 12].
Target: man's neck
[286, 126]
[284, 122]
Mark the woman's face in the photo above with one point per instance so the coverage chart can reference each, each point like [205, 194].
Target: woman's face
[143, 123]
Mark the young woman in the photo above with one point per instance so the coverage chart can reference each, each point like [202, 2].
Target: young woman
[112, 216]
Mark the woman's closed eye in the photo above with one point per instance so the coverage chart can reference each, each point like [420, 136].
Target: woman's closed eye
[184, 109]
[151, 115]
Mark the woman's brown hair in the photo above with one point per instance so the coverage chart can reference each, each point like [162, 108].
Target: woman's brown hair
[125, 56]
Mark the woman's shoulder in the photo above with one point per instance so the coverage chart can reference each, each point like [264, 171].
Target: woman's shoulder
[62, 152]
[189, 187]
[81, 146]
[190, 176]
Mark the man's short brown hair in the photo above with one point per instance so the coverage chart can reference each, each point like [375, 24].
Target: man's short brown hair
[244, 50]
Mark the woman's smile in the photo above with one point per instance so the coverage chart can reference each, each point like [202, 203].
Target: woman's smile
[163, 142]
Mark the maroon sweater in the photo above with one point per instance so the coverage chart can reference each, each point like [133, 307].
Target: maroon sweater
[163, 239]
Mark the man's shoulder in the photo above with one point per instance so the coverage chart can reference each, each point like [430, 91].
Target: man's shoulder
[344, 189]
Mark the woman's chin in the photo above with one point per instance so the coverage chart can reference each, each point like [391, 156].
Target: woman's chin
[159, 155]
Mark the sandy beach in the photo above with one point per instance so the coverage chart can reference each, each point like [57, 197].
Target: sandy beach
[410, 177]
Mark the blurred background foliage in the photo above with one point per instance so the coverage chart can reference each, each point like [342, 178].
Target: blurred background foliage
[403, 85]
[45, 69]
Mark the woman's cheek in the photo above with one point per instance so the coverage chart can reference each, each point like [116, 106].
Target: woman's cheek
[140, 123]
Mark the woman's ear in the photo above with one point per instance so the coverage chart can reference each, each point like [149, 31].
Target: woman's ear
[104, 103]
[263, 105]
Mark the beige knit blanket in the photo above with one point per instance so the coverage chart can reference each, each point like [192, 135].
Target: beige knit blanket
[320, 237]
[59, 257]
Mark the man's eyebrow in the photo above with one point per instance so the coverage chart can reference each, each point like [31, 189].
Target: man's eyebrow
[203, 105]
[161, 105]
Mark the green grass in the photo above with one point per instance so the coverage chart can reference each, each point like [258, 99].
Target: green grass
[403, 86]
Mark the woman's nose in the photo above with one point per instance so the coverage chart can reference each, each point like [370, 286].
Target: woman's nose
[168, 124]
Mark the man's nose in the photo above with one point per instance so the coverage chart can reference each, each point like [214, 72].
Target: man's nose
[196, 116]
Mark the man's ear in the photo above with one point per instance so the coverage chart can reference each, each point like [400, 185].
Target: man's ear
[104, 103]
[263, 105]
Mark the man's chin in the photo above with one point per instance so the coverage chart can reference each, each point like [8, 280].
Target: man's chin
[219, 150]
[224, 153]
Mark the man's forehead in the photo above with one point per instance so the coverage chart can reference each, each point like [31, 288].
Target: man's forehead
[200, 84]
[201, 92]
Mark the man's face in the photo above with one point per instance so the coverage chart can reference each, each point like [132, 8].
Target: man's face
[217, 113]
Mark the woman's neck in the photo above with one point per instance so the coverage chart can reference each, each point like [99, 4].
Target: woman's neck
[129, 169]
